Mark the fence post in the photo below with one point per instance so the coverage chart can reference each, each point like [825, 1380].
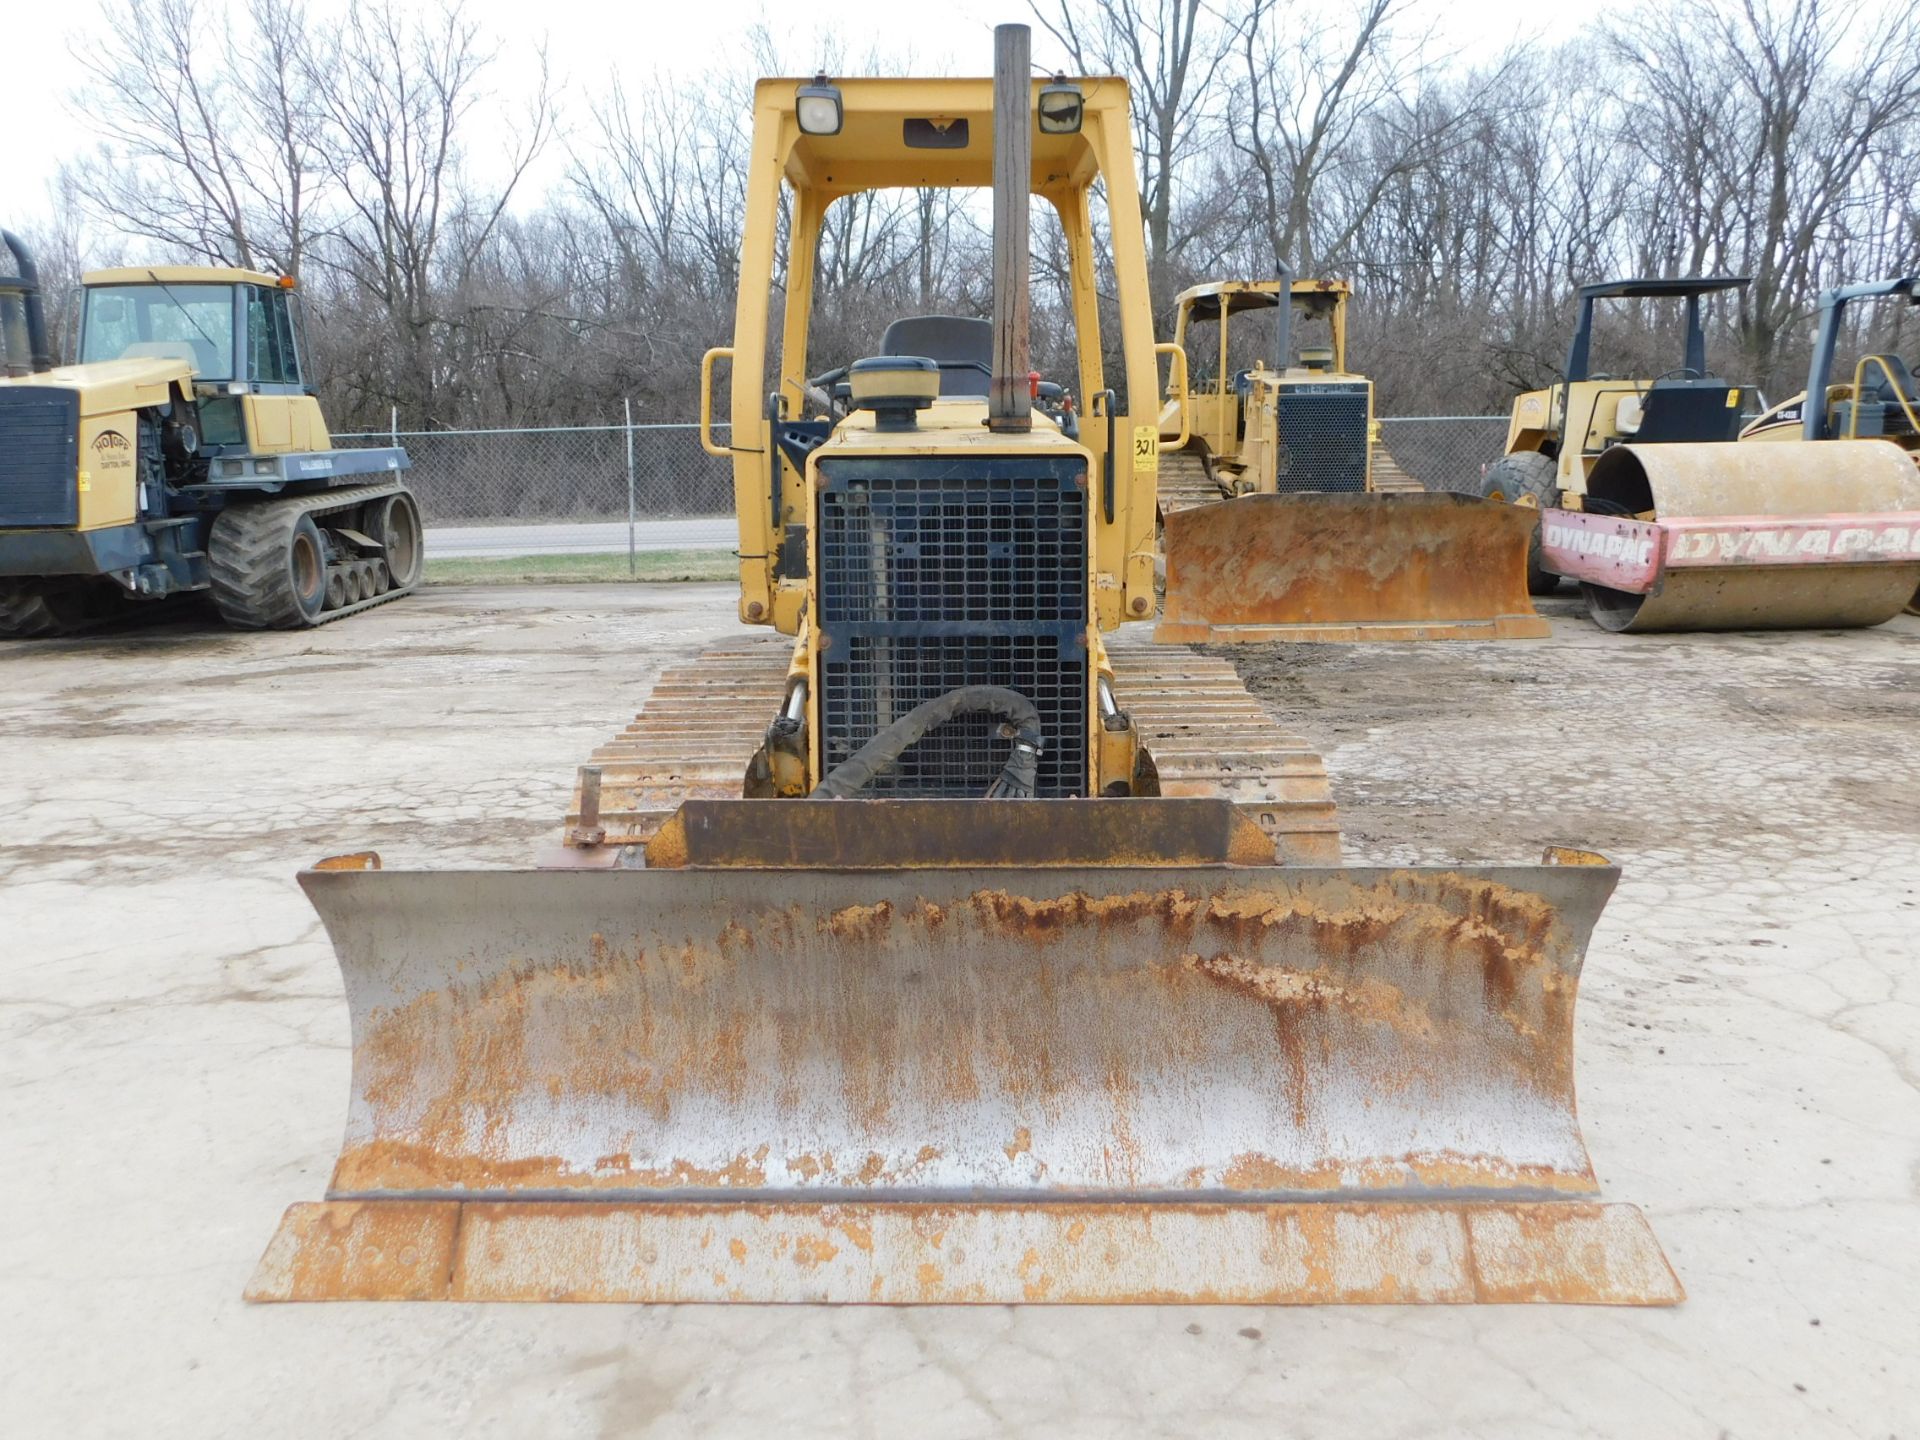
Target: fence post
[393, 425]
[633, 564]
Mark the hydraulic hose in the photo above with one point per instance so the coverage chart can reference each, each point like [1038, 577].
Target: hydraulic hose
[879, 755]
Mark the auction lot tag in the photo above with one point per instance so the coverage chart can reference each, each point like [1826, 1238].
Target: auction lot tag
[1146, 447]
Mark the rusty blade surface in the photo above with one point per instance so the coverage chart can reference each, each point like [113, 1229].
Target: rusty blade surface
[1348, 567]
[1209, 1032]
[1564, 1252]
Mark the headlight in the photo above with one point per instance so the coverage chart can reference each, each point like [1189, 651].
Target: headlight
[1061, 107]
[818, 107]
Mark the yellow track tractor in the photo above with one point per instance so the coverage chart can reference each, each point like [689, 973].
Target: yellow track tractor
[1880, 401]
[1328, 539]
[949, 949]
[184, 452]
[1667, 525]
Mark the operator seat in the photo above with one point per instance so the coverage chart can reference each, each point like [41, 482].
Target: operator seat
[1895, 383]
[962, 346]
[1688, 411]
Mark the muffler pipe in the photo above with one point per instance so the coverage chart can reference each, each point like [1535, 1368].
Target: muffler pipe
[27, 332]
[1010, 396]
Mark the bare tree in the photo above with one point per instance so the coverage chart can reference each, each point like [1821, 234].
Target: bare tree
[1171, 53]
[1768, 117]
[396, 93]
[1466, 197]
[207, 130]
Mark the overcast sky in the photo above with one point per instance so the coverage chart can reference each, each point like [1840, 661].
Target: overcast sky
[46, 46]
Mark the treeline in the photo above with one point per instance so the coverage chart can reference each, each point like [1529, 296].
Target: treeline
[384, 156]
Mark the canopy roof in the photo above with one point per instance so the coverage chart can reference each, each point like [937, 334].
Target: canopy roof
[1655, 288]
[898, 133]
[177, 275]
[1204, 302]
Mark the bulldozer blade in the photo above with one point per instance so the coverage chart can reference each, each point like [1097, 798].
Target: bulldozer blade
[1168, 1082]
[1744, 536]
[1322, 567]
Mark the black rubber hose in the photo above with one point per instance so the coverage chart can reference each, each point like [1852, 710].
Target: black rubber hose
[879, 755]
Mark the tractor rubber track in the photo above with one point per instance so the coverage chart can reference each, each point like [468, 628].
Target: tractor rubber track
[54, 609]
[242, 580]
[26, 614]
[704, 719]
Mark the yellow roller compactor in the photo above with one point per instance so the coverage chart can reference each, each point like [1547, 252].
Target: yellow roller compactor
[949, 950]
[1667, 525]
[183, 453]
[1327, 538]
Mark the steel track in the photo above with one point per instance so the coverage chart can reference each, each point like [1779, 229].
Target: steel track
[1209, 737]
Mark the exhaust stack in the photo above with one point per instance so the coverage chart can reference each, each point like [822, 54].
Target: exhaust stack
[23, 328]
[1009, 398]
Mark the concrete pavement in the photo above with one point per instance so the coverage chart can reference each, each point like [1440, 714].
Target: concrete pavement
[173, 1045]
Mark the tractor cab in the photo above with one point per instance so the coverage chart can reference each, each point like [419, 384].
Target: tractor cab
[234, 327]
[238, 332]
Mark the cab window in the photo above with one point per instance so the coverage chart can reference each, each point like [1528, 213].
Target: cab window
[186, 322]
[271, 357]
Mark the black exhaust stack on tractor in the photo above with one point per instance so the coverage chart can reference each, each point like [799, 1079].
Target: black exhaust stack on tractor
[23, 319]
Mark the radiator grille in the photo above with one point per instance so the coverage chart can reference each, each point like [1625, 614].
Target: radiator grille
[39, 456]
[1323, 440]
[940, 573]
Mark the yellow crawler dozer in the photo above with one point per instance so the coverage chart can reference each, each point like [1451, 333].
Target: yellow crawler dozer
[949, 949]
[1328, 539]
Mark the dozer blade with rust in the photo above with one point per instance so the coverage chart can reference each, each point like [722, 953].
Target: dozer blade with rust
[1325, 567]
[818, 1065]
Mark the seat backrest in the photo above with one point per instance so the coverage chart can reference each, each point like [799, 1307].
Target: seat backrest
[1687, 411]
[1893, 383]
[951, 340]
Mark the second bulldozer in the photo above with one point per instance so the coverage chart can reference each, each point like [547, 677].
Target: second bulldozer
[941, 947]
[1285, 519]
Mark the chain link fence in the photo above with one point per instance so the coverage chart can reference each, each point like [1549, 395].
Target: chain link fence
[1445, 452]
[602, 488]
[571, 473]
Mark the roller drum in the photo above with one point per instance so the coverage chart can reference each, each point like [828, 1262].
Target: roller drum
[1839, 477]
